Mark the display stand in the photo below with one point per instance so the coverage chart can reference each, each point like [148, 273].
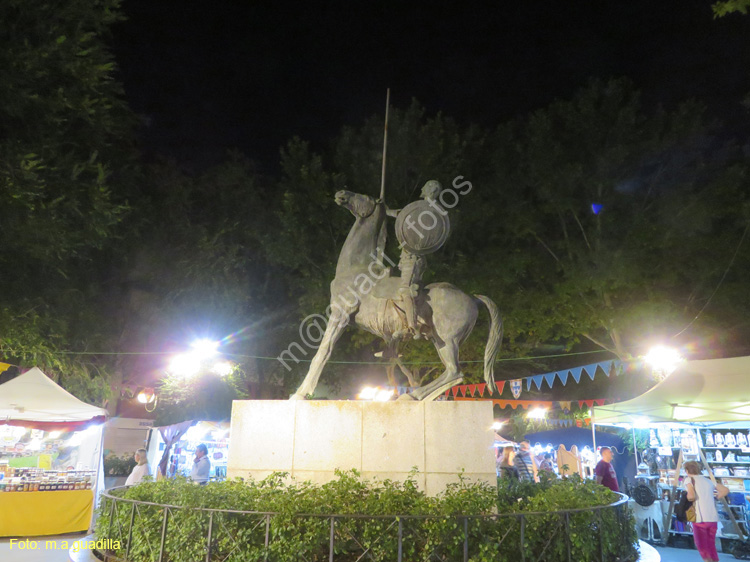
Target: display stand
[673, 497]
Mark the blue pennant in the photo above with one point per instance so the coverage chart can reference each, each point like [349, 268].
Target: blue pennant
[563, 376]
[538, 381]
[576, 373]
[550, 378]
[528, 383]
[606, 366]
[590, 370]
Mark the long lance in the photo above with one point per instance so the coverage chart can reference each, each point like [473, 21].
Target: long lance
[385, 144]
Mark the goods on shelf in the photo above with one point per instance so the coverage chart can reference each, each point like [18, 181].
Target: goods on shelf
[39, 480]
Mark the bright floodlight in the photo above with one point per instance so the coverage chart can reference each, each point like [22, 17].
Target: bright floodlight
[663, 359]
[497, 425]
[184, 365]
[367, 393]
[383, 395]
[537, 413]
[222, 368]
[204, 348]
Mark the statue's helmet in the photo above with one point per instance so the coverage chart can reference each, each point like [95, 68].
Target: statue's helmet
[431, 190]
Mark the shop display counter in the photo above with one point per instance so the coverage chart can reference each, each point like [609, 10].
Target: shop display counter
[34, 514]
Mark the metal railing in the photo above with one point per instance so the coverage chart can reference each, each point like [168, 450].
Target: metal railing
[530, 536]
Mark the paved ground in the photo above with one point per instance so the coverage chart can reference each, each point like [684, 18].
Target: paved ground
[686, 555]
[50, 549]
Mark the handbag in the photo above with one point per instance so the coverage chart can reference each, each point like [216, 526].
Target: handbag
[685, 509]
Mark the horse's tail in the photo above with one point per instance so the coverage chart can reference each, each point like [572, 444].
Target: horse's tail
[493, 341]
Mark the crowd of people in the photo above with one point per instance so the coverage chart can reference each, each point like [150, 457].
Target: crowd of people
[522, 465]
[200, 473]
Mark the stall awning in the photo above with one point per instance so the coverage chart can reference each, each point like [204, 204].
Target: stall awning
[34, 399]
[705, 391]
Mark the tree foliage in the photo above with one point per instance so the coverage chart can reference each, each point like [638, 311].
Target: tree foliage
[65, 163]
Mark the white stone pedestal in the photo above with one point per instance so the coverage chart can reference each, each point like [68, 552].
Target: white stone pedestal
[310, 439]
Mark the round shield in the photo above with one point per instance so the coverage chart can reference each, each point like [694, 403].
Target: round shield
[422, 227]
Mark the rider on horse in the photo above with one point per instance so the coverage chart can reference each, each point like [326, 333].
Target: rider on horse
[413, 265]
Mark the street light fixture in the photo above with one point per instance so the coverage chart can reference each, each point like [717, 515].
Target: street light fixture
[663, 360]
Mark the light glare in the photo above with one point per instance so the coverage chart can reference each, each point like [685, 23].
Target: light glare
[663, 359]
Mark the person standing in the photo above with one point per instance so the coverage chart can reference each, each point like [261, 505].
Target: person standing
[604, 472]
[140, 470]
[201, 465]
[702, 492]
[505, 467]
[525, 463]
[546, 463]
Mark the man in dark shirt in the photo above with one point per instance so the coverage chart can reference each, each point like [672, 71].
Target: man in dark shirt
[605, 472]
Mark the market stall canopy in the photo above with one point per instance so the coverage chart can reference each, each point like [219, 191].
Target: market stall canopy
[705, 391]
[34, 400]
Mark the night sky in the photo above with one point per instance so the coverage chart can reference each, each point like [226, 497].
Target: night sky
[246, 74]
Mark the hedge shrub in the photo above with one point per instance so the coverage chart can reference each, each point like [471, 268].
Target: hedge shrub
[296, 536]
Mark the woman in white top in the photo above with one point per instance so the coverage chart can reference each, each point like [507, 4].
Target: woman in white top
[702, 492]
[139, 470]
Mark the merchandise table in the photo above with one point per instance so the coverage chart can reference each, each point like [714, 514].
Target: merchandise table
[33, 514]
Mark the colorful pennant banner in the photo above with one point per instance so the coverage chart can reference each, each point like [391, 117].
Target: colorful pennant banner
[546, 404]
[517, 385]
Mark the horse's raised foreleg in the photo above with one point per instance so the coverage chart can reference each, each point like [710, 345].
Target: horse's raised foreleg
[451, 376]
[336, 324]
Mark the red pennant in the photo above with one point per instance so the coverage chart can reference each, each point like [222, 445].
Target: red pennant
[447, 392]
[462, 389]
[500, 386]
[472, 388]
[599, 402]
[589, 403]
[480, 388]
[455, 391]
[580, 404]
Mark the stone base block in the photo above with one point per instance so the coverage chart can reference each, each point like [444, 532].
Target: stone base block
[311, 439]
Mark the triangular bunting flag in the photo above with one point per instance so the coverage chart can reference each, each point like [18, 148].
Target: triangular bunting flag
[481, 387]
[606, 366]
[550, 378]
[538, 379]
[580, 404]
[528, 383]
[589, 403]
[563, 375]
[472, 388]
[576, 373]
[599, 402]
[455, 391]
[500, 386]
[447, 392]
[590, 370]
[515, 387]
[4, 367]
[565, 405]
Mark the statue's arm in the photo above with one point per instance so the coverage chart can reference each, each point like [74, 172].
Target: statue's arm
[392, 212]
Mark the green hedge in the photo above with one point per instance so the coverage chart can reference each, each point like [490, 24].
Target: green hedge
[294, 537]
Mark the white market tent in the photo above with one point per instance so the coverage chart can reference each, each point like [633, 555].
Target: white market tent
[34, 399]
[698, 392]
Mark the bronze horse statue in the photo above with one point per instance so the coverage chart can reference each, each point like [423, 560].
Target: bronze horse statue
[364, 291]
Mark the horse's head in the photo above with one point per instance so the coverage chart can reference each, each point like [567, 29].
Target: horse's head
[361, 206]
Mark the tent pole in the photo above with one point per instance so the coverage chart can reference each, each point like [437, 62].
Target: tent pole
[635, 448]
[593, 436]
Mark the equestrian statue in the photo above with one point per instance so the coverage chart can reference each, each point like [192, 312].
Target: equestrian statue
[396, 308]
